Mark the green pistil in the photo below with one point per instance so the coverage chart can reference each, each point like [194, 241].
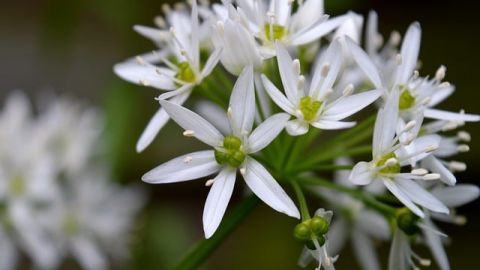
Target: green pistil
[309, 108]
[231, 152]
[274, 31]
[70, 225]
[390, 169]
[407, 221]
[407, 100]
[17, 186]
[185, 73]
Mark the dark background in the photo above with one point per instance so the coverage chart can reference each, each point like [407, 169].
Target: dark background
[69, 48]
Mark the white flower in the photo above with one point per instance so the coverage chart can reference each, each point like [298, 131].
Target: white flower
[240, 47]
[389, 156]
[230, 153]
[452, 197]
[401, 255]
[91, 219]
[320, 251]
[355, 222]
[417, 95]
[273, 20]
[316, 106]
[177, 78]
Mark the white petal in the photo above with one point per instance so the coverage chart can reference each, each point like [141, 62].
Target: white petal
[365, 63]
[361, 174]
[399, 252]
[419, 145]
[371, 35]
[194, 36]
[267, 131]
[267, 189]
[287, 73]
[242, 103]
[434, 165]
[409, 53]
[458, 195]
[317, 31]
[420, 196]
[88, 255]
[333, 56]
[297, 127]
[215, 115]
[154, 34]
[217, 200]
[385, 125]
[145, 74]
[440, 95]
[338, 234]
[171, 94]
[211, 63]
[327, 124]
[263, 97]
[8, 252]
[451, 116]
[435, 244]
[187, 167]
[374, 224]
[347, 106]
[188, 120]
[404, 198]
[365, 251]
[277, 96]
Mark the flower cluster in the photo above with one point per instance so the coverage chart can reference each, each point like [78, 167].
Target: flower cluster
[56, 200]
[276, 73]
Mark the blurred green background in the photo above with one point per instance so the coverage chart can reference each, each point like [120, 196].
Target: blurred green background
[69, 47]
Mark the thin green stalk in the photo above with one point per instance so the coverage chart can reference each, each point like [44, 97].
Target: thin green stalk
[333, 167]
[367, 199]
[314, 162]
[205, 247]
[301, 201]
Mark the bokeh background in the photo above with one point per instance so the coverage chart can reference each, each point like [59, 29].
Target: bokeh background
[69, 47]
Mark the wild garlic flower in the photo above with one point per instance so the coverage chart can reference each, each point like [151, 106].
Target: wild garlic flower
[417, 95]
[389, 157]
[354, 222]
[44, 162]
[316, 106]
[178, 76]
[274, 21]
[231, 152]
[314, 232]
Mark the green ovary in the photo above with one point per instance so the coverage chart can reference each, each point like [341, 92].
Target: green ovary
[407, 100]
[390, 169]
[309, 108]
[274, 32]
[70, 225]
[185, 73]
[17, 186]
[407, 221]
[231, 153]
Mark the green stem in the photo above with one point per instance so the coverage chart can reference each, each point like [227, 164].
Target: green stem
[301, 201]
[205, 247]
[367, 199]
[314, 162]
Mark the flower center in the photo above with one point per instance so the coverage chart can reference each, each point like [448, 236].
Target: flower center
[274, 31]
[407, 221]
[395, 168]
[70, 225]
[309, 108]
[407, 100]
[185, 73]
[231, 152]
[17, 186]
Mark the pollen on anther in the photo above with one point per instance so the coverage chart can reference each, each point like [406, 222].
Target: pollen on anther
[419, 171]
[463, 148]
[243, 171]
[464, 136]
[209, 182]
[189, 133]
[187, 159]
[325, 69]
[398, 59]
